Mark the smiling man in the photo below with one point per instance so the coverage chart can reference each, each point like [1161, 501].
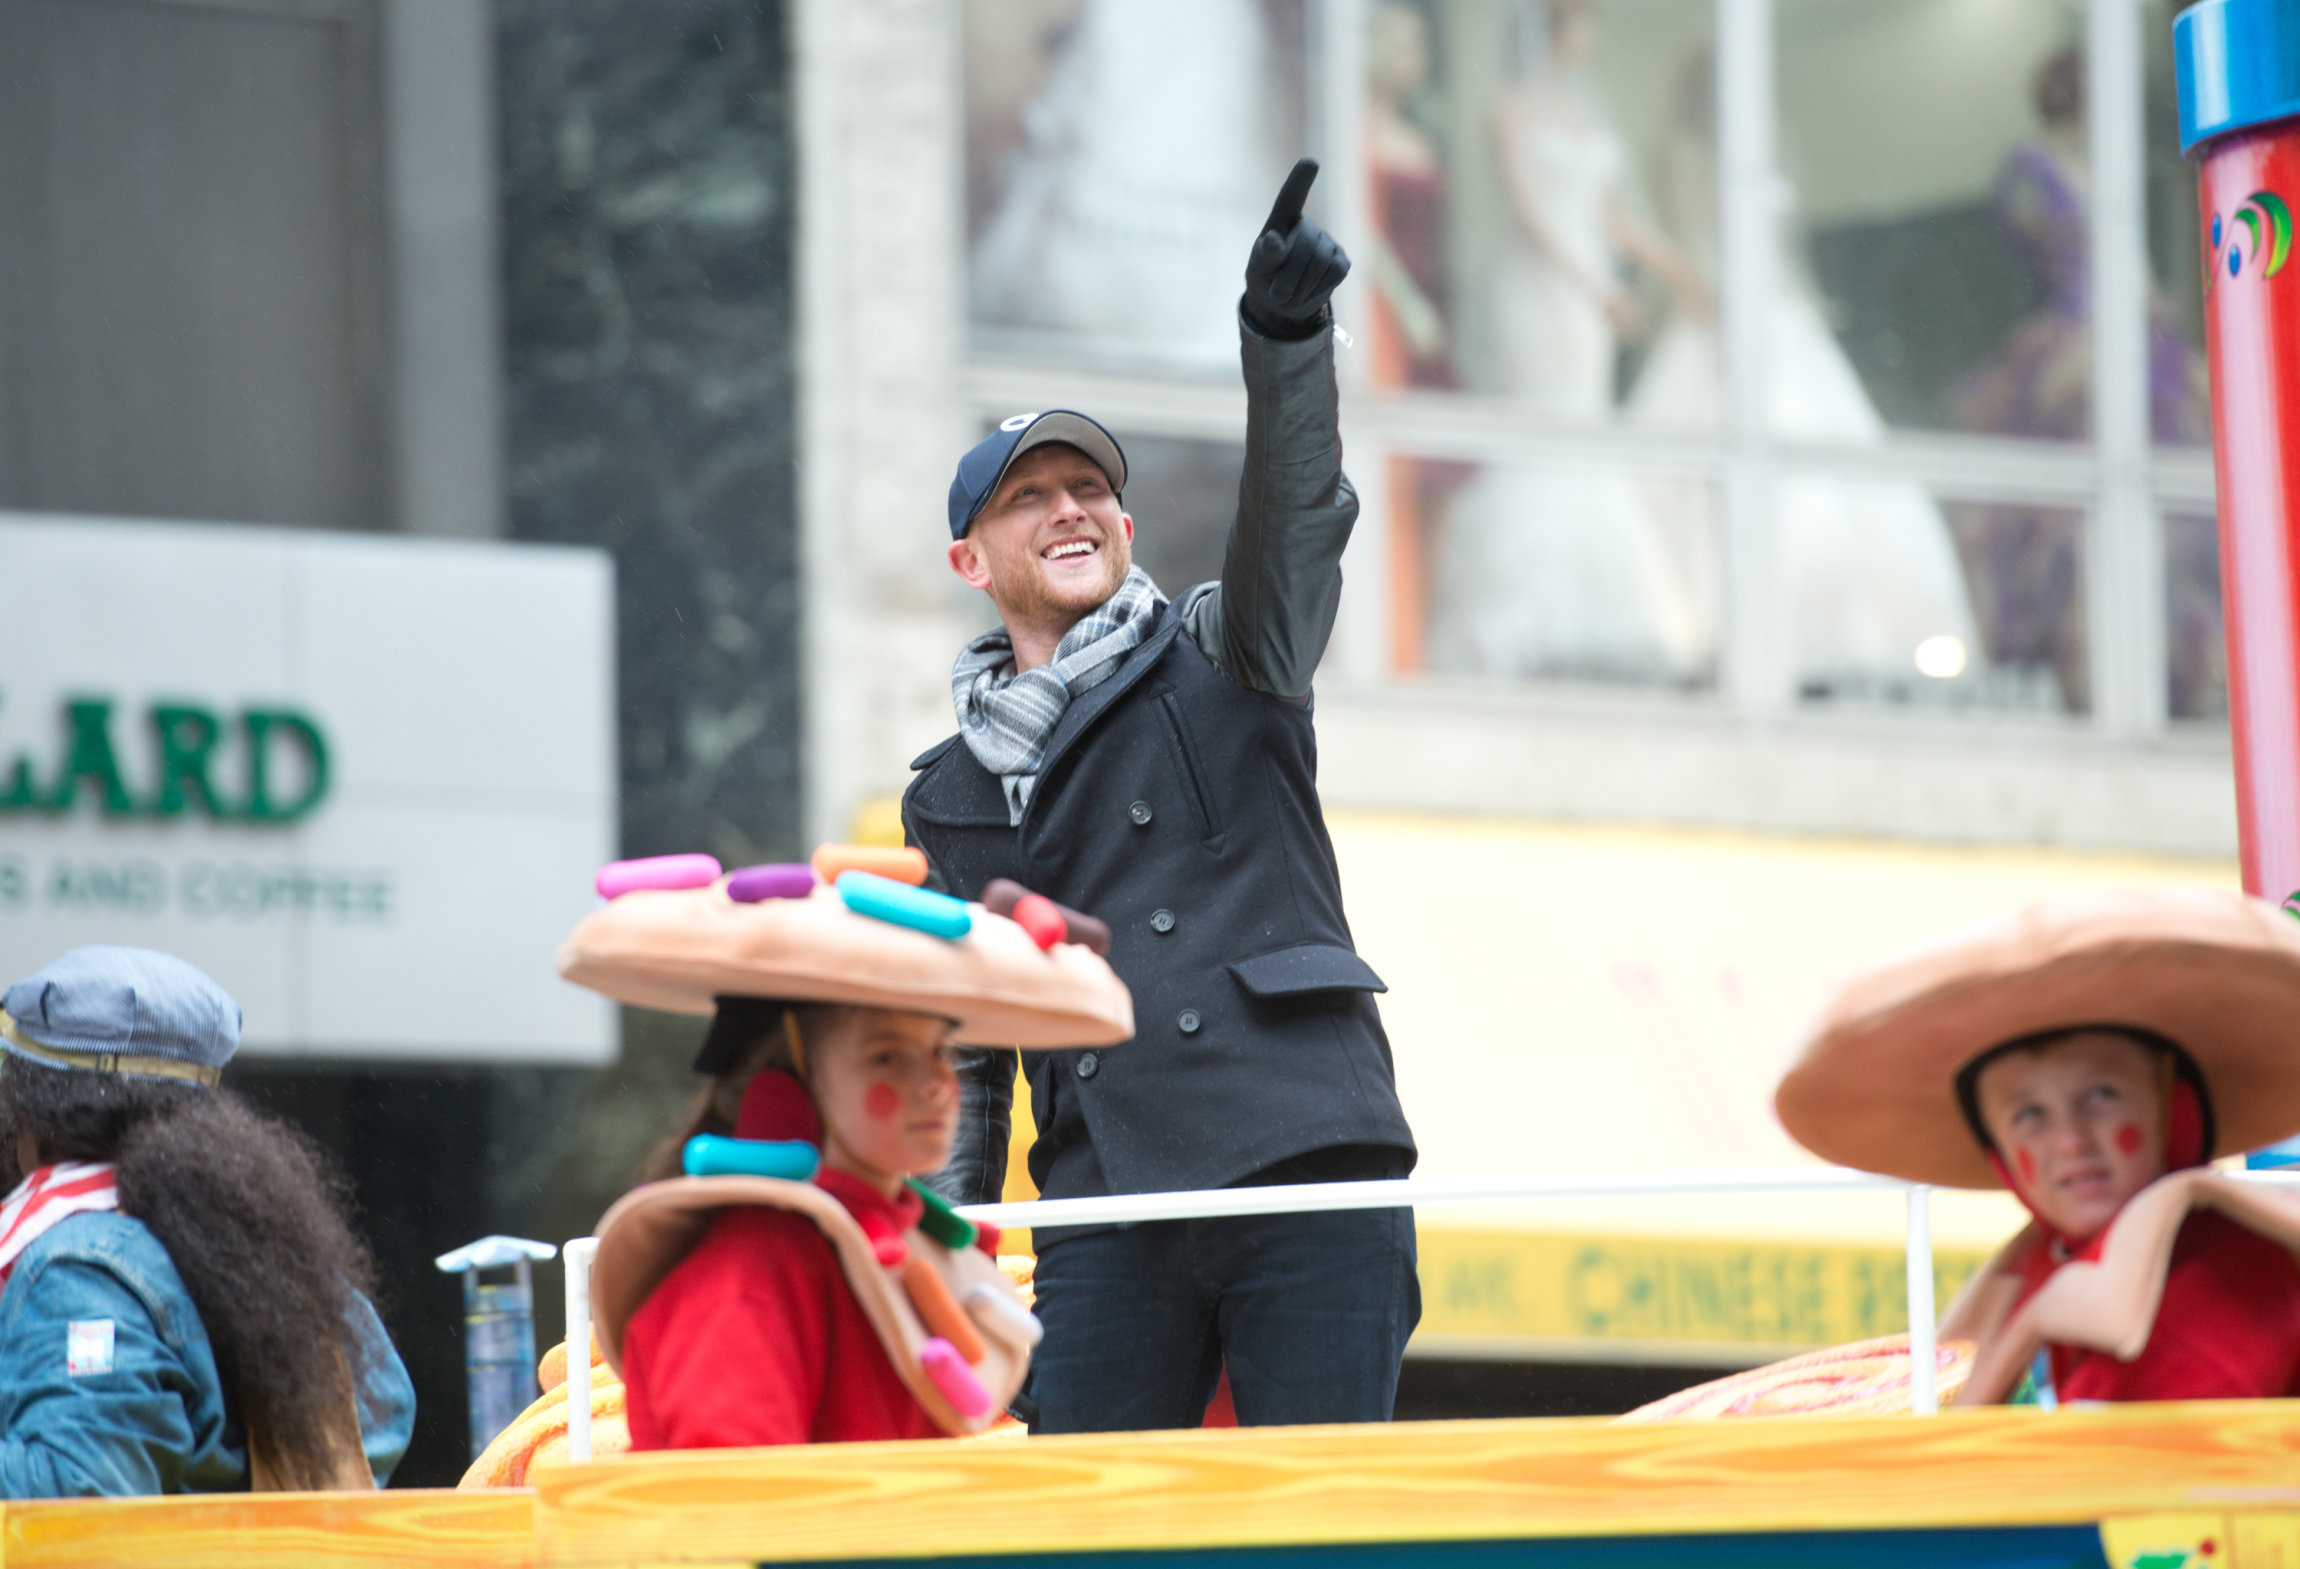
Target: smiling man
[1153, 763]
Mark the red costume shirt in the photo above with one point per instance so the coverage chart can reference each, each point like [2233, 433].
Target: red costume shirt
[756, 1338]
[2228, 1328]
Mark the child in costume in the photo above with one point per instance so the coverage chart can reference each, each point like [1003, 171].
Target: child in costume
[796, 1286]
[184, 1305]
[2091, 1054]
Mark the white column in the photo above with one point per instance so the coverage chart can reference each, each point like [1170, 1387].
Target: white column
[2125, 566]
[881, 318]
[445, 275]
[1756, 655]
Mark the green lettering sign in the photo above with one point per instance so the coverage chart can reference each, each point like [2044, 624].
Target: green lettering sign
[91, 760]
[261, 725]
[19, 796]
[191, 744]
[187, 738]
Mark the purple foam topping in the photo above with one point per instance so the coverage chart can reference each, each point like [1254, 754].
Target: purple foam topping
[777, 880]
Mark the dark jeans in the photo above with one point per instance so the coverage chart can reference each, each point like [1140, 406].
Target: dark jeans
[1309, 1312]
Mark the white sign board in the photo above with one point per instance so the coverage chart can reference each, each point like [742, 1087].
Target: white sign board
[363, 781]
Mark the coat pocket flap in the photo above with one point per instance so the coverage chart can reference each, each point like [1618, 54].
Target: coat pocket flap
[1311, 967]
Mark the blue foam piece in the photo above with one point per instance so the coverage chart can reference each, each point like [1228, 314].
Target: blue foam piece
[920, 909]
[710, 1155]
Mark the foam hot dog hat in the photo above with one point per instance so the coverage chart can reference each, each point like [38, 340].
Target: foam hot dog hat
[679, 936]
[1873, 1080]
[854, 927]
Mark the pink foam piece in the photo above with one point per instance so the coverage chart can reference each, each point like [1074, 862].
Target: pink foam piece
[954, 1378]
[781, 880]
[618, 878]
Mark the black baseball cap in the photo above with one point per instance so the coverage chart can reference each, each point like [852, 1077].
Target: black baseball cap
[986, 464]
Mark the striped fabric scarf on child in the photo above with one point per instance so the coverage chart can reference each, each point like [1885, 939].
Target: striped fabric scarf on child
[1006, 719]
[47, 1196]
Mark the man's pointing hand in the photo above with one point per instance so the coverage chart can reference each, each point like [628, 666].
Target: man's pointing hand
[1294, 268]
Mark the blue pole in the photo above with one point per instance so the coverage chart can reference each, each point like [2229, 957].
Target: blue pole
[498, 1350]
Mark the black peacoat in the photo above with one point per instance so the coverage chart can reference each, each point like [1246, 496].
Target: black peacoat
[1182, 808]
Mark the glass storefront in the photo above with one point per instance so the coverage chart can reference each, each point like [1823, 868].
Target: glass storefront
[1536, 218]
[1935, 205]
[1554, 571]
[1648, 291]
[1115, 152]
[2180, 399]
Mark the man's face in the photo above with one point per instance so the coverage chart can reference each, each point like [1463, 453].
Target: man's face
[1051, 543]
[2080, 1123]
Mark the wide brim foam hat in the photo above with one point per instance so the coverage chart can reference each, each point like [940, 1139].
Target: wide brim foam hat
[1872, 1083]
[946, 1316]
[682, 949]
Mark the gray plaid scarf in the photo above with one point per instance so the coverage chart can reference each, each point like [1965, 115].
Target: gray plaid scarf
[1007, 718]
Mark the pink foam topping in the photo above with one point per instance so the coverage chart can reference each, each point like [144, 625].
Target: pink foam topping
[618, 878]
[782, 880]
[954, 1378]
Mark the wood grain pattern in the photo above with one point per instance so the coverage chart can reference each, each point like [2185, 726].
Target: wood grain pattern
[1426, 1482]
[244, 1530]
[1460, 1482]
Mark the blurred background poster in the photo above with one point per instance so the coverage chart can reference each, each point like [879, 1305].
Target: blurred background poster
[1787, 528]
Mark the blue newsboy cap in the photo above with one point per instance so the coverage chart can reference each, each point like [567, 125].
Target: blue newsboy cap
[128, 1011]
[986, 463]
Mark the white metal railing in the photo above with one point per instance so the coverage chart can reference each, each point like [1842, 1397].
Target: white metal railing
[1924, 1393]
[1300, 1198]
[579, 1253]
[1209, 1203]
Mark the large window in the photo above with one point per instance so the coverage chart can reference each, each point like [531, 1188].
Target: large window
[1785, 353]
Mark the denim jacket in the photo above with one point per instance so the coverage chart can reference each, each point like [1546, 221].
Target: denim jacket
[108, 1387]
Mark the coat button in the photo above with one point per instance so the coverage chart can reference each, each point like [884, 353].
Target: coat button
[1188, 1023]
[1140, 812]
[1088, 1064]
[1162, 920]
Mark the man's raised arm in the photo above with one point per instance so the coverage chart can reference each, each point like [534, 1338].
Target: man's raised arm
[1267, 622]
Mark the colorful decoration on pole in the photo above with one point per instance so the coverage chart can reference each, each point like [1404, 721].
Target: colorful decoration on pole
[2261, 225]
[2238, 63]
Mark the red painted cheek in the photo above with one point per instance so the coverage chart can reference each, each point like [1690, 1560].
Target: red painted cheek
[2027, 1164]
[2128, 1139]
[881, 1101]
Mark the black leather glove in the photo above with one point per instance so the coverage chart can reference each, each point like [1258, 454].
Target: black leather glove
[1290, 279]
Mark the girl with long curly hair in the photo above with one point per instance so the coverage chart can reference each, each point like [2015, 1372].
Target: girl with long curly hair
[184, 1306]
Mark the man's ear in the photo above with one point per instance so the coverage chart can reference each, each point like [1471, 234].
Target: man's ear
[966, 560]
[1126, 521]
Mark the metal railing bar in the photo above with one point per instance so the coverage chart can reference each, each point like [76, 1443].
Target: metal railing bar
[1210, 1203]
